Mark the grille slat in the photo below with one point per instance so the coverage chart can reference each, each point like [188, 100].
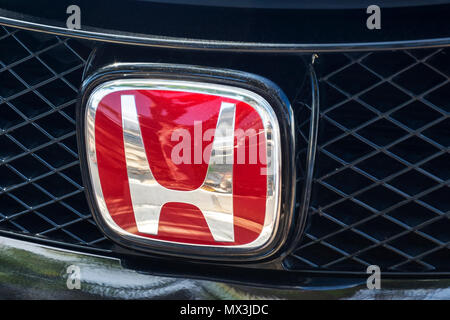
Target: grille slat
[381, 186]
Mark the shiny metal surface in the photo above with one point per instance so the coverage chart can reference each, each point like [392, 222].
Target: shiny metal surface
[139, 172]
[33, 271]
[148, 196]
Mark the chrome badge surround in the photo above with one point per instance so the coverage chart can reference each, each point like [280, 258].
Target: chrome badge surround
[273, 146]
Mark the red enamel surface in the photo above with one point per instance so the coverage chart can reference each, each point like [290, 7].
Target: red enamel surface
[160, 113]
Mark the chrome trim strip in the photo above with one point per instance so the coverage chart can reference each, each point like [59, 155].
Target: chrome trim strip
[199, 44]
[273, 146]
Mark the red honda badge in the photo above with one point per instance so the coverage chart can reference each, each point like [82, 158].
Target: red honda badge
[184, 163]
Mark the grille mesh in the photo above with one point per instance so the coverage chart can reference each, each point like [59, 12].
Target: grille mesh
[381, 187]
[41, 189]
[381, 191]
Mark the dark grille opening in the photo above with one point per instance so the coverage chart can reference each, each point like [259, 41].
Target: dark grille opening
[41, 188]
[381, 190]
[381, 179]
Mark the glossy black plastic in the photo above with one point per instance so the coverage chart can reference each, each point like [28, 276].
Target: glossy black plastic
[241, 25]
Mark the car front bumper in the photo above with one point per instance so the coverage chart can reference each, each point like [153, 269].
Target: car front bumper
[35, 271]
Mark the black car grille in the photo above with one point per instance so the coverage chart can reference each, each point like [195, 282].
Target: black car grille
[41, 189]
[381, 192]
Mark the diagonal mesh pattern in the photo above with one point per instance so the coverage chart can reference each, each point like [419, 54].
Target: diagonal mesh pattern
[41, 191]
[381, 187]
[381, 191]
